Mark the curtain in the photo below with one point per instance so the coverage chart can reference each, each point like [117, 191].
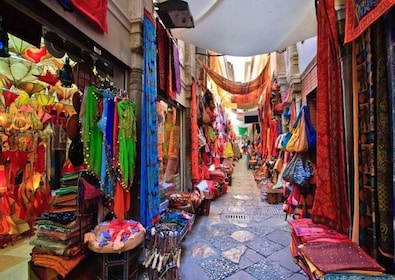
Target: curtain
[149, 189]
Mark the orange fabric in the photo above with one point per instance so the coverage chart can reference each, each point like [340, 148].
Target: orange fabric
[61, 265]
[237, 87]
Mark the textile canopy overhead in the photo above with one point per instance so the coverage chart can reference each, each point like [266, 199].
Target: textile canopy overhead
[247, 28]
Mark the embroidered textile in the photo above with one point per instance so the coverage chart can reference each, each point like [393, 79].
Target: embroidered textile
[366, 136]
[149, 207]
[385, 232]
[361, 14]
[163, 55]
[390, 41]
[330, 204]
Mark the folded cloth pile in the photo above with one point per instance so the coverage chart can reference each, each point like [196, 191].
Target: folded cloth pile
[58, 242]
[341, 256]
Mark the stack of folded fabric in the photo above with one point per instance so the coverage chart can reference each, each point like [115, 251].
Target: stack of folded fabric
[58, 240]
[324, 253]
[65, 198]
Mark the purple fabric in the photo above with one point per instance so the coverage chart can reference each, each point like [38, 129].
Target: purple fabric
[176, 62]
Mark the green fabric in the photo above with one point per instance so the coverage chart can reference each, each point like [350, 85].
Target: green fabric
[127, 140]
[242, 130]
[92, 136]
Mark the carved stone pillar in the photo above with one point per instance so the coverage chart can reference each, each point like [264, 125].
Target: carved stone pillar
[293, 75]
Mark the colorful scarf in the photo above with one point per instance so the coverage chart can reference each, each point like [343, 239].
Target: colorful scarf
[149, 189]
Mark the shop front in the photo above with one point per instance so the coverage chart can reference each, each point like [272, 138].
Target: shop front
[68, 135]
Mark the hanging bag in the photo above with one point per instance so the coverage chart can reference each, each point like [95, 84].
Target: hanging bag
[298, 140]
[310, 130]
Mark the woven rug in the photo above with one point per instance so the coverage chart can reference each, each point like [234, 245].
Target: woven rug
[361, 14]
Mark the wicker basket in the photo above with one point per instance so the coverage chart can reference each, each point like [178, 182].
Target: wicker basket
[178, 199]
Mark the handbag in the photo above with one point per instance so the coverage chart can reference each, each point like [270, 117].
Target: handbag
[310, 130]
[299, 170]
[298, 141]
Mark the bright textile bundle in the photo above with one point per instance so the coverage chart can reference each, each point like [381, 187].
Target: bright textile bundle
[115, 236]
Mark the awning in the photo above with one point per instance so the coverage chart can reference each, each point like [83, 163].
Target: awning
[247, 28]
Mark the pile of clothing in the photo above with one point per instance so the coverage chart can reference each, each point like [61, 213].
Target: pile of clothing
[58, 242]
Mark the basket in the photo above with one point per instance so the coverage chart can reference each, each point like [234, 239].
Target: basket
[178, 199]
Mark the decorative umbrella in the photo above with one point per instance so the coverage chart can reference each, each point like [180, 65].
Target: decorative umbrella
[65, 93]
[31, 87]
[22, 99]
[17, 45]
[18, 70]
[49, 78]
[35, 54]
[9, 97]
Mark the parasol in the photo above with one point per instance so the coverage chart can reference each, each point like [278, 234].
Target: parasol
[65, 92]
[35, 54]
[31, 87]
[18, 70]
[48, 78]
[17, 45]
[22, 99]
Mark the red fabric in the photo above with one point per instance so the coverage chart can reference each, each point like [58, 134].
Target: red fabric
[273, 151]
[194, 135]
[330, 204]
[171, 90]
[162, 42]
[94, 10]
[121, 197]
[356, 23]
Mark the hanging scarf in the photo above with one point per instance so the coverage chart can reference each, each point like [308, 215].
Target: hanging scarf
[176, 67]
[149, 205]
[330, 204]
[106, 185]
[194, 135]
[163, 55]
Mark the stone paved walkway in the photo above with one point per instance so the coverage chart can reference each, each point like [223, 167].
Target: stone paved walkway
[242, 238]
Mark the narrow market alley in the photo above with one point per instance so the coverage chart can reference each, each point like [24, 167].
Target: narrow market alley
[243, 237]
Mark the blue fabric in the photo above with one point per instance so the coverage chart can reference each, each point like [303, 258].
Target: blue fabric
[149, 183]
[310, 130]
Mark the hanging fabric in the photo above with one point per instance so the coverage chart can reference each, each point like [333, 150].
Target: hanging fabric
[237, 87]
[361, 14]
[194, 135]
[330, 204]
[149, 205]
